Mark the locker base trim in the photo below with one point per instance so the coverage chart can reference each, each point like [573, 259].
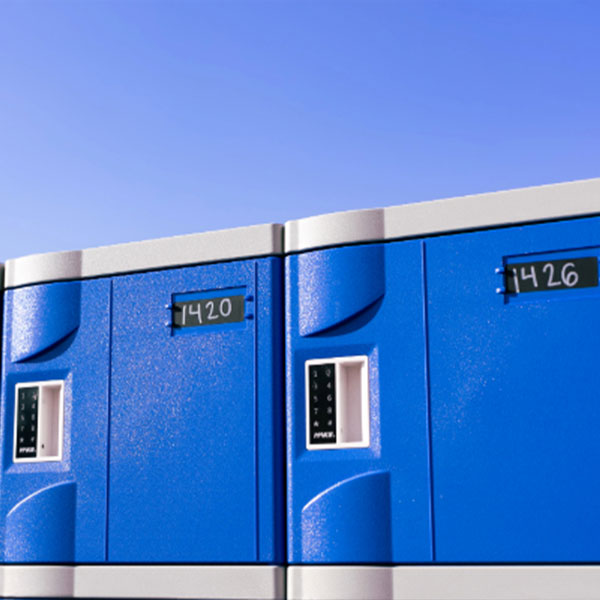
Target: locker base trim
[556, 582]
[231, 582]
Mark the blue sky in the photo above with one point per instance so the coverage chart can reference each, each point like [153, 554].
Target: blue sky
[136, 119]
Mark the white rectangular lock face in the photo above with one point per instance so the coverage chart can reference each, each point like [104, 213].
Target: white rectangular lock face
[39, 421]
[337, 403]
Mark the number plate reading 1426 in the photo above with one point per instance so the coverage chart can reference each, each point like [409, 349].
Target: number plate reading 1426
[549, 275]
[208, 311]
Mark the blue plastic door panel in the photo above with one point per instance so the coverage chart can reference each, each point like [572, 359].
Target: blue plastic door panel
[360, 504]
[514, 395]
[184, 417]
[55, 511]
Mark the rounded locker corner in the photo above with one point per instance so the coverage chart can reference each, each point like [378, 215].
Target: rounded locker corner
[41, 528]
[349, 522]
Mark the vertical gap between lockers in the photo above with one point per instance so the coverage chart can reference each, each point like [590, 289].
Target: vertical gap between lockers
[256, 407]
[428, 396]
[109, 393]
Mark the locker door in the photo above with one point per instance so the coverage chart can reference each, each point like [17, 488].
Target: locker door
[358, 464]
[182, 439]
[514, 393]
[55, 423]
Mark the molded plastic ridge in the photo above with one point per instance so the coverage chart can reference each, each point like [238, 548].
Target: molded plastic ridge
[198, 248]
[480, 211]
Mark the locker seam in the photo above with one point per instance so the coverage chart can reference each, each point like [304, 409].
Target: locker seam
[428, 397]
[281, 389]
[108, 429]
[256, 409]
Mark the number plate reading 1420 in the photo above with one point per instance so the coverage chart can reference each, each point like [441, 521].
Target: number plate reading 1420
[548, 275]
[208, 311]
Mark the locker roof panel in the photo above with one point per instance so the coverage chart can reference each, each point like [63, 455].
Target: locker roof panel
[197, 248]
[479, 211]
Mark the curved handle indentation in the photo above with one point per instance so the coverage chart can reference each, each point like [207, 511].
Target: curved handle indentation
[41, 316]
[349, 522]
[336, 285]
[41, 528]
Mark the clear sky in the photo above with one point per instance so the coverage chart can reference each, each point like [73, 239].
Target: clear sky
[136, 119]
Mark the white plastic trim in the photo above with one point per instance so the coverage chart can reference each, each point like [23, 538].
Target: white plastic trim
[36, 581]
[444, 583]
[160, 582]
[480, 211]
[213, 246]
[194, 582]
[561, 582]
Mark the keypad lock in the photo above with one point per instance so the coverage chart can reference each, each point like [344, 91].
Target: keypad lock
[322, 403]
[27, 422]
[38, 421]
[337, 403]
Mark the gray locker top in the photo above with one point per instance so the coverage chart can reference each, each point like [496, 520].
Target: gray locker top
[480, 211]
[197, 248]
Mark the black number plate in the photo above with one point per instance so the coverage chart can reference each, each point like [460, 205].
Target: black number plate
[549, 275]
[208, 311]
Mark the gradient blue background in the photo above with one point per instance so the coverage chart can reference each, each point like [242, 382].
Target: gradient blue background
[135, 119]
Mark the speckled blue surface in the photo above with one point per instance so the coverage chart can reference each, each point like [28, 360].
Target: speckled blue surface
[82, 360]
[192, 427]
[185, 463]
[515, 402]
[31, 332]
[328, 535]
[335, 290]
[52, 509]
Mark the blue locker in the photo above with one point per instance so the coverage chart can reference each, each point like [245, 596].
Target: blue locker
[366, 499]
[143, 418]
[477, 321]
[514, 394]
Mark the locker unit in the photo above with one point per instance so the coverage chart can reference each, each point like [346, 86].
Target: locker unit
[442, 402]
[142, 422]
